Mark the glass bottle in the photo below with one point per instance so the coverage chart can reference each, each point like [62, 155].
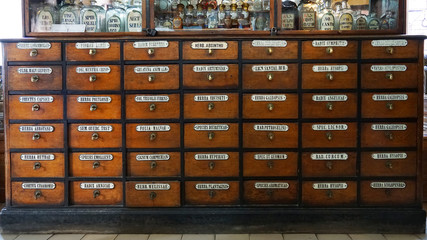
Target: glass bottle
[233, 14]
[211, 17]
[387, 21]
[307, 14]
[134, 17]
[177, 20]
[250, 5]
[361, 22]
[189, 16]
[373, 22]
[221, 16]
[46, 16]
[257, 5]
[115, 17]
[69, 13]
[266, 5]
[201, 17]
[289, 15]
[346, 18]
[93, 17]
[260, 21]
[326, 18]
[244, 17]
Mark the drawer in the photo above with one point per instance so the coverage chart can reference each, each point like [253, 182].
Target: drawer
[94, 106]
[272, 76]
[270, 135]
[329, 49]
[329, 164]
[153, 194]
[151, 50]
[35, 78]
[153, 135]
[153, 106]
[28, 107]
[329, 135]
[274, 106]
[389, 76]
[215, 76]
[212, 193]
[329, 76]
[96, 164]
[396, 134]
[91, 77]
[390, 163]
[212, 106]
[92, 135]
[390, 48]
[270, 49]
[270, 192]
[37, 193]
[37, 164]
[270, 164]
[325, 105]
[209, 50]
[333, 193]
[36, 135]
[208, 164]
[154, 164]
[389, 105]
[33, 51]
[96, 193]
[211, 135]
[149, 77]
[93, 51]
[387, 193]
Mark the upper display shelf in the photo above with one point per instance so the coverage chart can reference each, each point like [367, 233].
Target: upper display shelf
[207, 17]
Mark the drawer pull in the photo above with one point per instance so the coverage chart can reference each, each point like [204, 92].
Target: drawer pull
[270, 136]
[270, 107]
[269, 193]
[35, 108]
[270, 164]
[92, 78]
[329, 136]
[329, 50]
[37, 194]
[212, 193]
[34, 53]
[210, 51]
[93, 107]
[269, 51]
[389, 135]
[153, 136]
[329, 165]
[389, 106]
[270, 76]
[150, 51]
[151, 78]
[96, 165]
[389, 76]
[211, 106]
[210, 76]
[35, 78]
[330, 76]
[153, 195]
[389, 50]
[387, 192]
[211, 135]
[329, 106]
[92, 52]
[211, 165]
[153, 164]
[96, 193]
[95, 136]
[389, 164]
[36, 136]
[152, 107]
[37, 166]
[329, 194]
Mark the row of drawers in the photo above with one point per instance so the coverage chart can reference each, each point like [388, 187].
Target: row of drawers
[281, 49]
[214, 76]
[168, 194]
[214, 106]
[215, 135]
[219, 164]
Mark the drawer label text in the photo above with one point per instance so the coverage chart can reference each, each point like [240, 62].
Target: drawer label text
[390, 97]
[330, 68]
[151, 44]
[211, 98]
[329, 43]
[38, 157]
[399, 185]
[210, 68]
[92, 45]
[212, 186]
[209, 45]
[211, 156]
[271, 156]
[320, 186]
[36, 99]
[380, 156]
[271, 127]
[388, 68]
[152, 99]
[329, 127]
[329, 156]
[271, 185]
[30, 70]
[39, 45]
[96, 157]
[329, 98]
[211, 127]
[269, 68]
[152, 186]
[152, 157]
[389, 43]
[97, 185]
[104, 69]
[153, 128]
[151, 69]
[95, 128]
[269, 43]
[38, 185]
[268, 98]
[84, 99]
[389, 127]
[36, 128]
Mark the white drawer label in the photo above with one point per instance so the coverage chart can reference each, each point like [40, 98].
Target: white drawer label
[329, 156]
[209, 45]
[95, 128]
[211, 156]
[37, 157]
[390, 97]
[399, 185]
[92, 45]
[210, 68]
[211, 127]
[212, 186]
[33, 45]
[152, 186]
[97, 185]
[36, 99]
[269, 68]
[389, 127]
[389, 43]
[271, 127]
[211, 98]
[320, 186]
[151, 44]
[329, 43]
[152, 157]
[30, 70]
[329, 98]
[329, 127]
[271, 185]
[330, 68]
[270, 156]
[103, 69]
[268, 98]
[153, 128]
[151, 69]
[380, 156]
[36, 128]
[85, 99]
[152, 99]
[38, 186]
[388, 68]
[269, 43]
[96, 157]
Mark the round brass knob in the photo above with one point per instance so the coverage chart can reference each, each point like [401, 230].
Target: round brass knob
[389, 76]
[92, 78]
[387, 192]
[35, 78]
[329, 165]
[153, 164]
[151, 78]
[389, 164]
[389, 50]
[270, 164]
[329, 106]
[35, 108]
[37, 165]
[212, 193]
[329, 136]
[211, 135]
[96, 193]
[329, 50]
[152, 107]
[210, 76]
[330, 76]
[153, 195]
[150, 51]
[37, 194]
[34, 53]
[95, 136]
[269, 193]
[270, 107]
[270, 76]
[389, 135]
[270, 136]
[96, 165]
[153, 136]
[269, 51]
[329, 194]
[210, 51]
[36, 136]
[93, 107]
[211, 106]
[211, 165]
[92, 52]
[389, 106]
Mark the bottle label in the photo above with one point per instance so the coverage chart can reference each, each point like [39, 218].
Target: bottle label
[113, 24]
[327, 22]
[96, 157]
[271, 185]
[361, 23]
[288, 21]
[37, 157]
[135, 21]
[44, 21]
[374, 24]
[152, 186]
[90, 20]
[68, 17]
[309, 20]
[346, 22]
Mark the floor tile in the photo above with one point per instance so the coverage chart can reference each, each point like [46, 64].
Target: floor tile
[67, 237]
[401, 237]
[131, 237]
[299, 236]
[165, 237]
[99, 237]
[232, 237]
[198, 237]
[266, 237]
[333, 237]
[8, 236]
[33, 237]
[367, 237]
[422, 236]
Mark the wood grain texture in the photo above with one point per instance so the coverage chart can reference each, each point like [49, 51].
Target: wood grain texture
[319, 80]
[270, 168]
[155, 168]
[53, 139]
[331, 197]
[153, 198]
[259, 80]
[81, 196]
[82, 110]
[47, 110]
[287, 109]
[211, 168]
[163, 139]
[48, 168]
[110, 168]
[162, 81]
[201, 54]
[19, 81]
[388, 197]
[26, 197]
[260, 139]
[141, 54]
[371, 138]
[340, 138]
[278, 196]
[388, 167]
[221, 109]
[329, 168]
[51, 54]
[110, 54]
[379, 109]
[162, 110]
[288, 52]
[370, 52]
[79, 139]
[228, 196]
[221, 139]
[310, 52]
[221, 80]
[319, 109]
[378, 80]
[104, 81]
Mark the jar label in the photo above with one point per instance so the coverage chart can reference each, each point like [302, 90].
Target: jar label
[288, 21]
[361, 24]
[90, 20]
[44, 21]
[68, 17]
[134, 21]
[346, 22]
[113, 24]
[327, 22]
[308, 20]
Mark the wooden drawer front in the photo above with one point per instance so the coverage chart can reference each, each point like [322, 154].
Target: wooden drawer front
[96, 193]
[96, 164]
[211, 193]
[209, 164]
[388, 193]
[34, 78]
[214, 106]
[153, 194]
[36, 107]
[270, 135]
[343, 134]
[37, 193]
[36, 135]
[381, 50]
[333, 49]
[94, 106]
[91, 135]
[389, 105]
[154, 164]
[272, 76]
[389, 134]
[211, 135]
[270, 192]
[329, 164]
[152, 106]
[151, 78]
[270, 164]
[210, 77]
[326, 105]
[33, 51]
[380, 163]
[331, 193]
[386, 75]
[151, 50]
[329, 76]
[91, 77]
[96, 51]
[152, 135]
[37, 164]
[259, 49]
[209, 50]
[275, 106]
